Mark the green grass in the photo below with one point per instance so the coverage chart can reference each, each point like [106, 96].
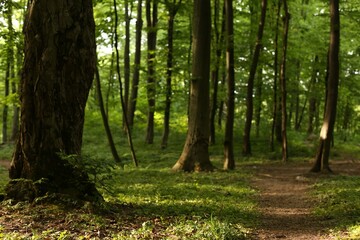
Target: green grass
[156, 203]
[339, 202]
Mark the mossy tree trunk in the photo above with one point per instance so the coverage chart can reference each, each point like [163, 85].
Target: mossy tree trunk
[58, 70]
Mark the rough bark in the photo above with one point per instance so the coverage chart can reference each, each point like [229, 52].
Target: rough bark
[57, 75]
[195, 155]
[229, 160]
[250, 85]
[326, 134]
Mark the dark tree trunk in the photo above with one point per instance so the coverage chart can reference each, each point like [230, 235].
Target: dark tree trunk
[152, 19]
[283, 85]
[229, 160]
[195, 155]
[251, 80]
[172, 9]
[275, 115]
[127, 58]
[59, 65]
[326, 134]
[258, 102]
[219, 38]
[136, 74]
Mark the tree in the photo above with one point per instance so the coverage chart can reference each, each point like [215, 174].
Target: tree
[152, 20]
[283, 84]
[58, 69]
[137, 59]
[322, 156]
[251, 80]
[195, 154]
[172, 8]
[229, 161]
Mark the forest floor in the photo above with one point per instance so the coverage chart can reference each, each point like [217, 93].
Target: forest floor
[286, 203]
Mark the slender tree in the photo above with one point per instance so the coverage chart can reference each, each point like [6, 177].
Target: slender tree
[127, 56]
[58, 69]
[251, 80]
[229, 161]
[136, 74]
[151, 19]
[172, 8]
[195, 155]
[283, 84]
[322, 156]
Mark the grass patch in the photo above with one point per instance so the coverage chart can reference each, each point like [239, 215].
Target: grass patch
[339, 202]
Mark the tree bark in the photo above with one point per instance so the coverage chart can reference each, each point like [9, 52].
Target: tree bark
[152, 19]
[327, 130]
[195, 155]
[283, 85]
[126, 58]
[58, 69]
[229, 160]
[251, 80]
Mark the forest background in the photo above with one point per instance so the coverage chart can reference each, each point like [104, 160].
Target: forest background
[307, 52]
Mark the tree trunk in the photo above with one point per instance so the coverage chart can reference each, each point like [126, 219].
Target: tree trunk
[283, 84]
[151, 18]
[251, 80]
[312, 97]
[326, 134]
[136, 74]
[172, 9]
[59, 65]
[195, 155]
[229, 161]
[259, 101]
[275, 115]
[219, 38]
[126, 58]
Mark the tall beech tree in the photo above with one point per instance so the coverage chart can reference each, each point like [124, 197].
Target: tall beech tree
[251, 80]
[58, 70]
[322, 156]
[229, 161]
[195, 154]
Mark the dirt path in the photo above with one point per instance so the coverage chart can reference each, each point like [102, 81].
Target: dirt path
[286, 203]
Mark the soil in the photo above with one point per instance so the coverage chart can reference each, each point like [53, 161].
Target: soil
[286, 203]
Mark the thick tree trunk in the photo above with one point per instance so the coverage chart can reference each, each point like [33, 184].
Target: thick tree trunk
[195, 155]
[58, 70]
[326, 134]
[283, 85]
[229, 160]
[136, 74]
[152, 19]
[251, 80]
